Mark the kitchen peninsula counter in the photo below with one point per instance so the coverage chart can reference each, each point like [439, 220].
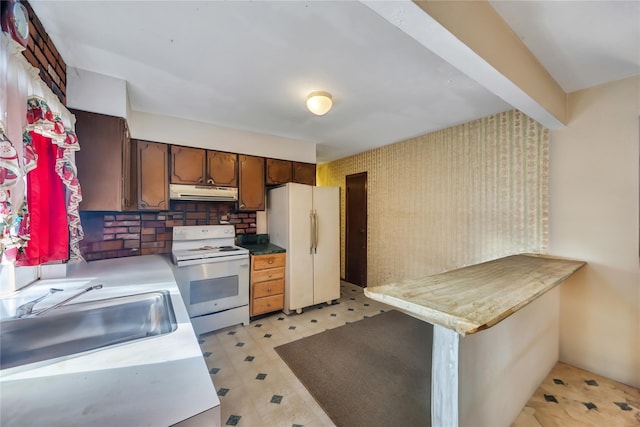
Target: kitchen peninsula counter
[495, 333]
[473, 298]
[154, 381]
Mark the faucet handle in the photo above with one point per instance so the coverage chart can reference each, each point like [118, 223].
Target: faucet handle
[27, 308]
[61, 303]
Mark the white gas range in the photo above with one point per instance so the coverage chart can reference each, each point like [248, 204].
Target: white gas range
[213, 276]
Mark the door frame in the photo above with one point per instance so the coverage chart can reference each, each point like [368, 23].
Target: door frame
[347, 225]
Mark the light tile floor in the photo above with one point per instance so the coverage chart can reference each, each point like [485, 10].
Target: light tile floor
[256, 388]
[573, 397]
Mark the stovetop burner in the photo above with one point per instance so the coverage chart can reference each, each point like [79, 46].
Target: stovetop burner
[215, 248]
[202, 248]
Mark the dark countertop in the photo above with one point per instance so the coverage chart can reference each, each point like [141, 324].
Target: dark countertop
[263, 249]
[258, 244]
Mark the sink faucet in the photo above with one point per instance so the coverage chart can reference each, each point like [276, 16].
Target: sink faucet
[26, 310]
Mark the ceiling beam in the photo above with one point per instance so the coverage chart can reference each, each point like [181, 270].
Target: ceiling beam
[471, 36]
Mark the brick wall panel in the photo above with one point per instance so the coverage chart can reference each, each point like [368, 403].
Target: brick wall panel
[42, 53]
[130, 244]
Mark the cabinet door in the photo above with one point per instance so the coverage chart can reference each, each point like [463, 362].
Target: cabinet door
[251, 188]
[222, 169]
[304, 173]
[278, 171]
[187, 165]
[128, 181]
[102, 162]
[152, 175]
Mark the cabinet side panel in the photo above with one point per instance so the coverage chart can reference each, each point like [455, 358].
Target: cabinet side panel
[278, 227]
[99, 160]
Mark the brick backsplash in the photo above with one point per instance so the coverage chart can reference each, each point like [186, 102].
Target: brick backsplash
[43, 54]
[122, 234]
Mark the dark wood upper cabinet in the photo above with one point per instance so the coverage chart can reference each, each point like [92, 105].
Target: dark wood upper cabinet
[222, 169]
[187, 165]
[304, 173]
[151, 160]
[103, 161]
[203, 167]
[251, 188]
[278, 171]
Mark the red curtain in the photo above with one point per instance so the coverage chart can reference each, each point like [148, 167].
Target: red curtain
[49, 230]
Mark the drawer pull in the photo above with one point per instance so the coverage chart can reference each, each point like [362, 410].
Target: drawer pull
[270, 261]
[269, 289]
[269, 275]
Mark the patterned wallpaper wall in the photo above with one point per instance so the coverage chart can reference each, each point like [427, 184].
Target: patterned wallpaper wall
[451, 198]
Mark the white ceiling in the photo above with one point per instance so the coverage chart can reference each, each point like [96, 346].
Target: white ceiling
[250, 65]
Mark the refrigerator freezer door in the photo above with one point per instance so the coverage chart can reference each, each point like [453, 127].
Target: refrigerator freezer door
[299, 281]
[326, 262]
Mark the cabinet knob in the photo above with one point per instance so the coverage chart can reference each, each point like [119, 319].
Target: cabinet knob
[270, 261]
[269, 289]
[269, 275]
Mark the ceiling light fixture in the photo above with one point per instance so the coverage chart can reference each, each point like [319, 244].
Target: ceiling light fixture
[319, 103]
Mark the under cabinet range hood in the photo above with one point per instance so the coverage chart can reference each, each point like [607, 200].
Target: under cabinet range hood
[205, 193]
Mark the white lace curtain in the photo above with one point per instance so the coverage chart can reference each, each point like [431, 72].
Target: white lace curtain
[30, 110]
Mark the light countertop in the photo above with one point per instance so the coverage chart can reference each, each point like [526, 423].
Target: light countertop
[155, 381]
[473, 298]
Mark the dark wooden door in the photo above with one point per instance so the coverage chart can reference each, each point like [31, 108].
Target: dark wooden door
[356, 230]
[278, 171]
[152, 164]
[304, 173]
[187, 165]
[222, 169]
[251, 185]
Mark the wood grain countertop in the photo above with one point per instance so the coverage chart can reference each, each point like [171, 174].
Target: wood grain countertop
[473, 298]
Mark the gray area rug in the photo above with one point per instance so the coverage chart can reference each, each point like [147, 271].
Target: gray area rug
[374, 372]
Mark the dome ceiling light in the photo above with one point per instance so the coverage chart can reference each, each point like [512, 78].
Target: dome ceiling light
[319, 103]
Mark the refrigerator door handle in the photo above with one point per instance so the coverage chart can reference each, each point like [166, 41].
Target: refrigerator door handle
[315, 222]
[311, 232]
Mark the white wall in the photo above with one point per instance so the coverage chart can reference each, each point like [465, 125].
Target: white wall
[172, 130]
[103, 94]
[95, 92]
[594, 174]
[501, 367]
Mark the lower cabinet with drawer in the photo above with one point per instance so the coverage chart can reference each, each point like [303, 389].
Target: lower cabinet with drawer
[267, 283]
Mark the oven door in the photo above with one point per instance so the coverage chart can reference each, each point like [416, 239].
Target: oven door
[214, 284]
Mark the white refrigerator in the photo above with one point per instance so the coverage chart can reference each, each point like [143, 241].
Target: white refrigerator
[305, 220]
